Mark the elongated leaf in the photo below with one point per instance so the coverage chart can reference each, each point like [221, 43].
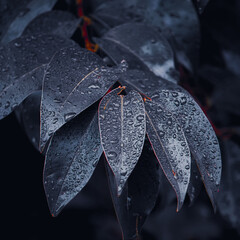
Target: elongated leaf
[15, 22]
[177, 19]
[71, 158]
[122, 128]
[28, 114]
[75, 79]
[199, 133]
[139, 194]
[23, 64]
[142, 46]
[170, 147]
[59, 23]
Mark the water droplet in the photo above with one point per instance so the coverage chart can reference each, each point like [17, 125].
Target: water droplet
[69, 116]
[161, 133]
[7, 104]
[94, 86]
[17, 44]
[55, 120]
[112, 155]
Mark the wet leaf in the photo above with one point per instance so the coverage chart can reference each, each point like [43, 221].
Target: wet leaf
[137, 199]
[198, 131]
[122, 126]
[74, 80]
[23, 63]
[59, 23]
[177, 19]
[170, 147]
[28, 114]
[18, 14]
[142, 46]
[71, 158]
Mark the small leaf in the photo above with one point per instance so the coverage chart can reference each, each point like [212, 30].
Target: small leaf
[23, 64]
[170, 147]
[71, 158]
[60, 23]
[15, 22]
[122, 126]
[74, 80]
[142, 46]
[139, 194]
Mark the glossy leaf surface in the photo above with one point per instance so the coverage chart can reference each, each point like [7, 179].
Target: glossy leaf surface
[177, 19]
[142, 46]
[170, 147]
[75, 79]
[71, 158]
[60, 23]
[122, 126]
[19, 15]
[198, 131]
[23, 64]
[139, 194]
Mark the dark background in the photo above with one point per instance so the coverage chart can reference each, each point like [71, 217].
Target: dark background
[24, 210]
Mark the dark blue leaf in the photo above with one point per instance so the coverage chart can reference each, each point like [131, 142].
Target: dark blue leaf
[74, 80]
[23, 63]
[18, 17]
[142, 46]
[178, 20]
[122, 128]
[170, 147]
[71, 158]
[139, 194]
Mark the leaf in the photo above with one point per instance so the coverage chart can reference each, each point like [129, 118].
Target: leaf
[139, 194]
[28, 114]
[178, 20]
[122, 130]
[198, 131]
[142, 46]
[23, 64]
[23, 13]
[170, 147]
[59, 23]
[71, 158]
[74, 80]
